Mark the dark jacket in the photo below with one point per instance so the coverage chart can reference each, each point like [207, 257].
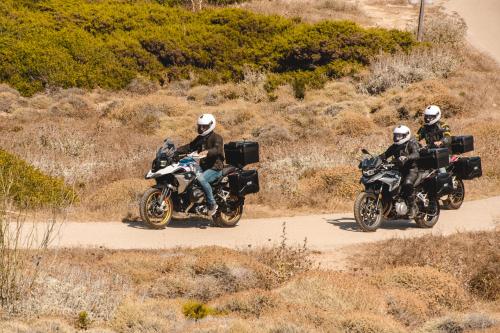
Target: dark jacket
[409, 149]
[435, 132]
[214, 144]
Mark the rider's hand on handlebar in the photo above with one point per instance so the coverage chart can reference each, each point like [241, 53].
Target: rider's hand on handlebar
[438, 143]
[203, 154]
[403, 159]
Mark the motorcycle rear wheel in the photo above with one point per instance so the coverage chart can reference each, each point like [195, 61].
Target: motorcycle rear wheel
[368, 215]
[456, 198]
[150, 210]
[428, 219]
[224, 220]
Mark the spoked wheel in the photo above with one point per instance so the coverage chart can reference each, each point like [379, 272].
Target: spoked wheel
[456, 198]
[368, 211]
[227, 219]
[156, 214]
[427, 217]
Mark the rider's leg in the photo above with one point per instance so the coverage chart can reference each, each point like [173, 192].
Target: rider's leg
[409, 190]
[205, 179]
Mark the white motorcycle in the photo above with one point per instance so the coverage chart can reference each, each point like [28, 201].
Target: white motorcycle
[176, 188]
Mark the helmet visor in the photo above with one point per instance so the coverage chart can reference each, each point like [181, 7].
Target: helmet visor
[203, 128]
[398, 137]
[429, 118]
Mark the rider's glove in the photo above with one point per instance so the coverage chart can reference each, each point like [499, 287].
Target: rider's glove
[403, 159]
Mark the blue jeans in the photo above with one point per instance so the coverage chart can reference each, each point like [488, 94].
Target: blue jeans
[205, 178]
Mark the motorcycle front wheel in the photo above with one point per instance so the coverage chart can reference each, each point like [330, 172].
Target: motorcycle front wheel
[154, 213]
[368, 211]
[428, 216]
[456, 198]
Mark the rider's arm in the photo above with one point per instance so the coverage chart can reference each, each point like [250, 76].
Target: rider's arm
[413, 153]
[189, 148]
[217, 147]
[388, 153]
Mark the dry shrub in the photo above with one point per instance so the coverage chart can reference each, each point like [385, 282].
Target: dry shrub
[142, 86]
[406, 307]
[40, 326]
[247, 304]
[7, 101]
[368, 323]
[457, 323]
[353, 124]
[122, 195]
[439, 290]
[485, 282]
[147, 316]
[321, 184]
[338, 5]
[285, 260]
[401, 70]
[74, 106]
[464, 255]
[333, 293]
[253, 85]
[67, 291]
[142, 116]
[272, 134]
[445, 29]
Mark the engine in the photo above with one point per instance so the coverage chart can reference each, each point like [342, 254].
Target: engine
[197, 195]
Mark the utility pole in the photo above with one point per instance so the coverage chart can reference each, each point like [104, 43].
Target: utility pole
[420, 31]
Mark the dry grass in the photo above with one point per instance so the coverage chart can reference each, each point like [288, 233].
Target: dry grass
[310, 10]
[147, 291]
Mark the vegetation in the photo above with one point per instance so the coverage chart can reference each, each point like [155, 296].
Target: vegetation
[28, 186]
[213, 289]
[59, 43]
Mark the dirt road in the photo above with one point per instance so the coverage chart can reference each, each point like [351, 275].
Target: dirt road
[483, 21]
[323, 232]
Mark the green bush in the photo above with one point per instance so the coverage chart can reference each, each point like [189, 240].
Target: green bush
[107, 43]
[196, 310]
[28, 186]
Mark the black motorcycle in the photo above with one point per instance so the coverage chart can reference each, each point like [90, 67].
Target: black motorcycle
[382, 197]
[176, 188]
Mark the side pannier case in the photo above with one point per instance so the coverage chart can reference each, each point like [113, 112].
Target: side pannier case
[443, 184]
[241, 153]
[244, 182]
[468, 168]
[434, 159]
[462, 144]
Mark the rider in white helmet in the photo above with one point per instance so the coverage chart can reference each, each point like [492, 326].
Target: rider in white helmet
[210, 145]
[435, 132]
[405, 151]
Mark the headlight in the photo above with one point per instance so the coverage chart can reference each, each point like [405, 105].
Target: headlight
[163, 164]
[369, 173]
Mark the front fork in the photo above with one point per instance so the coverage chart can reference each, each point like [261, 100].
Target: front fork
[165, 193]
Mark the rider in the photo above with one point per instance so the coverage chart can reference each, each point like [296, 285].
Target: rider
[405, 151]
[210, 147]
[435, 132]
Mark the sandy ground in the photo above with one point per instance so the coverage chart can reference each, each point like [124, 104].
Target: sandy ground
[483, 21]
[323, 232]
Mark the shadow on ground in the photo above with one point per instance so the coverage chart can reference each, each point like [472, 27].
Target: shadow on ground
[349, 224]
[175, 223]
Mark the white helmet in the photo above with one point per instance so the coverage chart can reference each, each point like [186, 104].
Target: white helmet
[401, 134]
[206, 124]
[432, 114]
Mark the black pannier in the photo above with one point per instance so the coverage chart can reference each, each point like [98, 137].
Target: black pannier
[241, 153]
[462, 144]
[469, 168]
[434, 158]
[443, 184]
[244, 182]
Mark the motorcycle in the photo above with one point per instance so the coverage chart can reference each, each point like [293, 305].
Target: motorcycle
[382, 197]
[176, 189]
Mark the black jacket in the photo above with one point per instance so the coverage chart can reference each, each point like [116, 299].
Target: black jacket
[435, 132]
[409, 149]
[214, 144]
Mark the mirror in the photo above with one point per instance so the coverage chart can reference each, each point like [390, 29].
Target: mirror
[364, 151]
